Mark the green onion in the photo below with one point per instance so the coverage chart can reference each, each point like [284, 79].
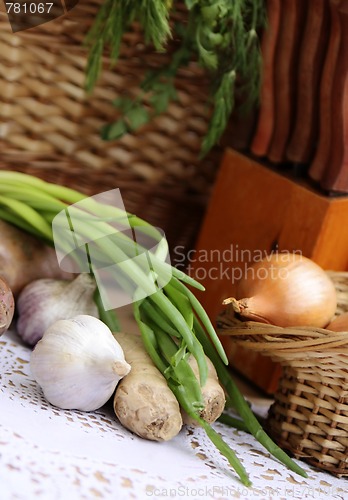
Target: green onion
[28, 215]
[237, 423]
[242, 407]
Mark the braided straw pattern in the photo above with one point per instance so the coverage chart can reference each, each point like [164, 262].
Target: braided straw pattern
[50, 127]
[309, 416]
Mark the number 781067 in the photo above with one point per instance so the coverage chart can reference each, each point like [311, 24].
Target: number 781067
[28, 8]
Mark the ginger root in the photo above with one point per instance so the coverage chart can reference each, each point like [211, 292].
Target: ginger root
[143, 402]
[213, 394]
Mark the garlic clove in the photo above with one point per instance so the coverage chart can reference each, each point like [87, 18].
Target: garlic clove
[286, 290]
[44, 301]
[78, 363]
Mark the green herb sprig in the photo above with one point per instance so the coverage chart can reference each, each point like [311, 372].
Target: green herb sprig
[220, 35]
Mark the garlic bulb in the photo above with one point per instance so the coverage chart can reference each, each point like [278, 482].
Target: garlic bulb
[78, 363]
[339, 324]
[286, 289]
[45, 301]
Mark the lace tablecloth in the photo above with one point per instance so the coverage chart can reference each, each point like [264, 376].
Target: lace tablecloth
[56, 454]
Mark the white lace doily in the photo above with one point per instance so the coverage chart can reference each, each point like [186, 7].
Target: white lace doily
[56, 454]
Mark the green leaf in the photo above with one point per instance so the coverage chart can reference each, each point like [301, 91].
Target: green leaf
[94, 65]
[160, 100]
[191, 3]
[123, 104]
[223, 106]
[210, 12]
[137, 117]
[209, 58]
[114, 130]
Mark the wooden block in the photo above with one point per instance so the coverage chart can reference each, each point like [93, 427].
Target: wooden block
[252, 211]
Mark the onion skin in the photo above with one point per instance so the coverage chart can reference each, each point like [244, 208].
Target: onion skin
[339, 324]
[286, 290]
[7, 306]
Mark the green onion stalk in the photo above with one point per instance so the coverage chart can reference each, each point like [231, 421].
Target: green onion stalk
[172, 322]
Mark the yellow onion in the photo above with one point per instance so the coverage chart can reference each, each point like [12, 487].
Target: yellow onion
[339, 324]
[286, 289]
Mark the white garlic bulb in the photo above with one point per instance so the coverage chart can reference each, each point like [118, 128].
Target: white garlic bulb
[44, 301]
[78, 363]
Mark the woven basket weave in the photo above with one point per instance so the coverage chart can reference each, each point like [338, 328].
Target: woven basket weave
[50, 127]
[309, 416]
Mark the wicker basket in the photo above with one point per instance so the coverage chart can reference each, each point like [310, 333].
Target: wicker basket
[50, 127]
[309, 416]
